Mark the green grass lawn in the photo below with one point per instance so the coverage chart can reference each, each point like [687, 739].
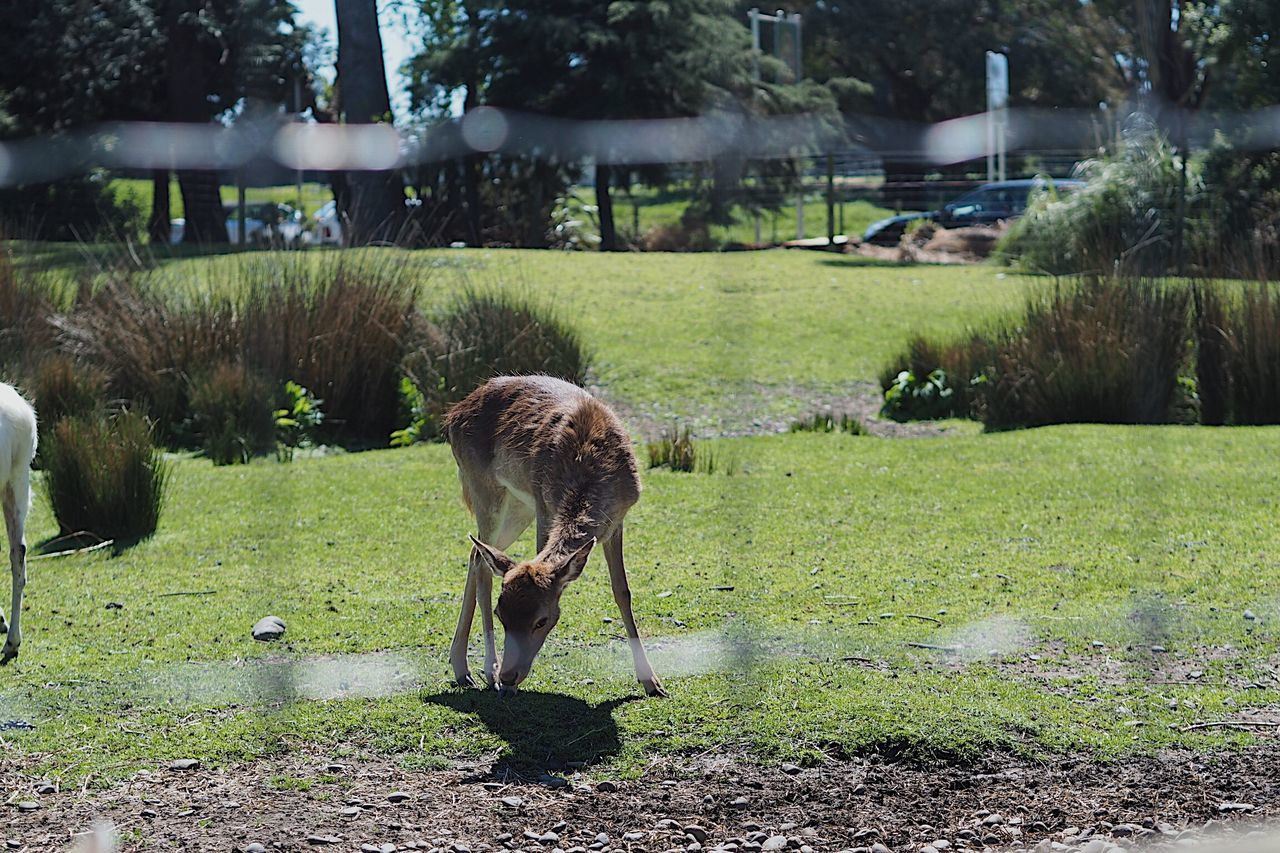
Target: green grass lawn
[1018, 552]
[140, 191]
[1038, 542]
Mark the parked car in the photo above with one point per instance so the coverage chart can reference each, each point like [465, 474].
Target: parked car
[985, 205]
[265, 222]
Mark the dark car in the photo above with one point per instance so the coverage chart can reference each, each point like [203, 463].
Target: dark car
[985, 205]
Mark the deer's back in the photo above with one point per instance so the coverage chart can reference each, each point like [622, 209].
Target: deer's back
[542, 436]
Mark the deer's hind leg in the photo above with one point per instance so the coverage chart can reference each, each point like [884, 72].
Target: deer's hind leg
[16, 501]
[622, 596]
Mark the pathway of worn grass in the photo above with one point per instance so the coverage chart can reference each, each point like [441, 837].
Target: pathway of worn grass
[767, 593]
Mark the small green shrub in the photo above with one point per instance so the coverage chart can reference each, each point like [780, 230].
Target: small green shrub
[482, 335]
[829, 422]
[297, 422]
[923, 398]
[105, 477]
[232, 413]
[674, 449]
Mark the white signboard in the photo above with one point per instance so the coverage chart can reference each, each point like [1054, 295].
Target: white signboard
[997, 81]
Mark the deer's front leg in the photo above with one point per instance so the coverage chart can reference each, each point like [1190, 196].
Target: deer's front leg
[484, 599]
[458, 651]
[622, 595]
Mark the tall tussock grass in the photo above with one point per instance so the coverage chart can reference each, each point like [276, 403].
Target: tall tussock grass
[1238, 358]
[339, 328]
[1099, 351]
[105, 477]
[1096, 350]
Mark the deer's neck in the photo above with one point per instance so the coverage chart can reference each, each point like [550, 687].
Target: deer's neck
[578, 518]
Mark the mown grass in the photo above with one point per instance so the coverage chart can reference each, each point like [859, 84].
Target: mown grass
[1042, 541]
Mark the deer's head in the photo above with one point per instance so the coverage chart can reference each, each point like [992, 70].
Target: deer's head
[528, 604]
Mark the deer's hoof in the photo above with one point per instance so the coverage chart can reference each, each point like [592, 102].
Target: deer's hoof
[10, 652]
[465, 680]
[653, 687]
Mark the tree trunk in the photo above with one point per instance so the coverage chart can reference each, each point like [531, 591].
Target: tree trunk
[158, 222]
[608, 232]
[375, 209]
[187, 71]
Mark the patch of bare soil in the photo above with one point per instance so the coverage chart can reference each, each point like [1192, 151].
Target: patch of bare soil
[705, 803]
[745, 410]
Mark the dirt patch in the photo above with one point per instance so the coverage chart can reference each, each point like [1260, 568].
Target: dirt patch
[713, 800]
[751, 409]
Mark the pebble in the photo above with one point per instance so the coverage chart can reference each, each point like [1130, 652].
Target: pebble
[351, 811]
[334, 768]
[268, 628]
[398, 796]
[602, 838]
[1249, 615]
[28, 806]
[633, 836]
[739, 803]
[880, 848]
[13, 844]
[323, 839]
[775, 842]
[791, 769]
[513, 802]
[47, 788]
[553, 781]
[150, 813]
[255, 847]
[550, 838]
[1227, 808]
[606, 787]
[185, 764]
[697, 833]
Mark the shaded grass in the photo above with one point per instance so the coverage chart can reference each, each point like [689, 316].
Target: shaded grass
[1074, 534]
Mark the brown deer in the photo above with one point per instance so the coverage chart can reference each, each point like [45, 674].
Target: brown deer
[535, 448]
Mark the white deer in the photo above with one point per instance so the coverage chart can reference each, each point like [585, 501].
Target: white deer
[535, 448]
[17, 450]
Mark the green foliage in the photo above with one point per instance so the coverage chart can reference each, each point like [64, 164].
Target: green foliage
[231, 413]
[926, 398]
[104, 477]
[829, 422]
[422, 422]
[297, 422]
[1122, 221]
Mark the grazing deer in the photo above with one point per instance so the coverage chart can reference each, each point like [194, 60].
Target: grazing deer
[17, 449]
[535, 448]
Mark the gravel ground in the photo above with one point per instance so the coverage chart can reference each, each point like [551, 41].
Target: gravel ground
[307, 801]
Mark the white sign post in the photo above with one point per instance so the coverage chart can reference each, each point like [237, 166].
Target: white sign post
[997, 115]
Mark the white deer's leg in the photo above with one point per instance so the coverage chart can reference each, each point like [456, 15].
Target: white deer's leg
[17, 502]
[622, 595]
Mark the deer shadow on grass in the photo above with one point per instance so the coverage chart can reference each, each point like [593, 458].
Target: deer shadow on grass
[544, 732]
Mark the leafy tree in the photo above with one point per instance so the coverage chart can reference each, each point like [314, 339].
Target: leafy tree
[65, 64]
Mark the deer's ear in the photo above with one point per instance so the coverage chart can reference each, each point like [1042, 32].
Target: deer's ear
[571, 568]
[498, 562]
